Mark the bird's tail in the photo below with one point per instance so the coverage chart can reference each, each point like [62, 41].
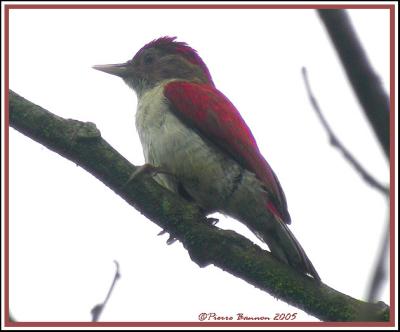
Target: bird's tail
[285, 247]
[251, 204]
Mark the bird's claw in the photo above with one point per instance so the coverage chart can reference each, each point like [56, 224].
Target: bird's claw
[212, 221]
[170, 240]
[145, 169]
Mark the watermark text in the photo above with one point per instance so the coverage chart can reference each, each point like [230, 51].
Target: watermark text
[212, 316]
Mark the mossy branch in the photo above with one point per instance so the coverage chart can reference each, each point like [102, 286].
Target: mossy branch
[82, 143]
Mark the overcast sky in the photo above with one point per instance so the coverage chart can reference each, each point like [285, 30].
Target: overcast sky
[66, 227]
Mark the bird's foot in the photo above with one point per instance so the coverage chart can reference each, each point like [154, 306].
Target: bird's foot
[212, 221]
[146, 170]
[170, 240]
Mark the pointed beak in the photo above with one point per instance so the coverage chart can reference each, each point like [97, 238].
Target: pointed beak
[118, 69]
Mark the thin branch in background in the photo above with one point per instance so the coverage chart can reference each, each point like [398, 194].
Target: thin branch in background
[98, 308]
[380, 273]
[339, 145]
[365, 82]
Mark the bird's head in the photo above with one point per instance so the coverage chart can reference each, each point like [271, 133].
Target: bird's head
[161, 59]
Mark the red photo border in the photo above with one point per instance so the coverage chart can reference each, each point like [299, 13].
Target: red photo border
[390, 7]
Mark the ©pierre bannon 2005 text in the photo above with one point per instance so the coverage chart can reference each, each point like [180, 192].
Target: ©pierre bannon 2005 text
[212, 316]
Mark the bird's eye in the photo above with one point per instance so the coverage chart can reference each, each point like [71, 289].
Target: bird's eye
[148, 59]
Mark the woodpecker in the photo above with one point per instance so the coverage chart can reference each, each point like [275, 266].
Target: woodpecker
[208, 154]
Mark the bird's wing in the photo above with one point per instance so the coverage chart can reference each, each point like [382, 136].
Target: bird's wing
[212, 114]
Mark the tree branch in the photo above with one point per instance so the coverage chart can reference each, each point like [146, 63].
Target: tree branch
[82, 143]
[368, 178]
[366, 83]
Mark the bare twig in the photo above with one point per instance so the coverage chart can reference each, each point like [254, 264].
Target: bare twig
[339, 145]
[365, 82]
[98, 308]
